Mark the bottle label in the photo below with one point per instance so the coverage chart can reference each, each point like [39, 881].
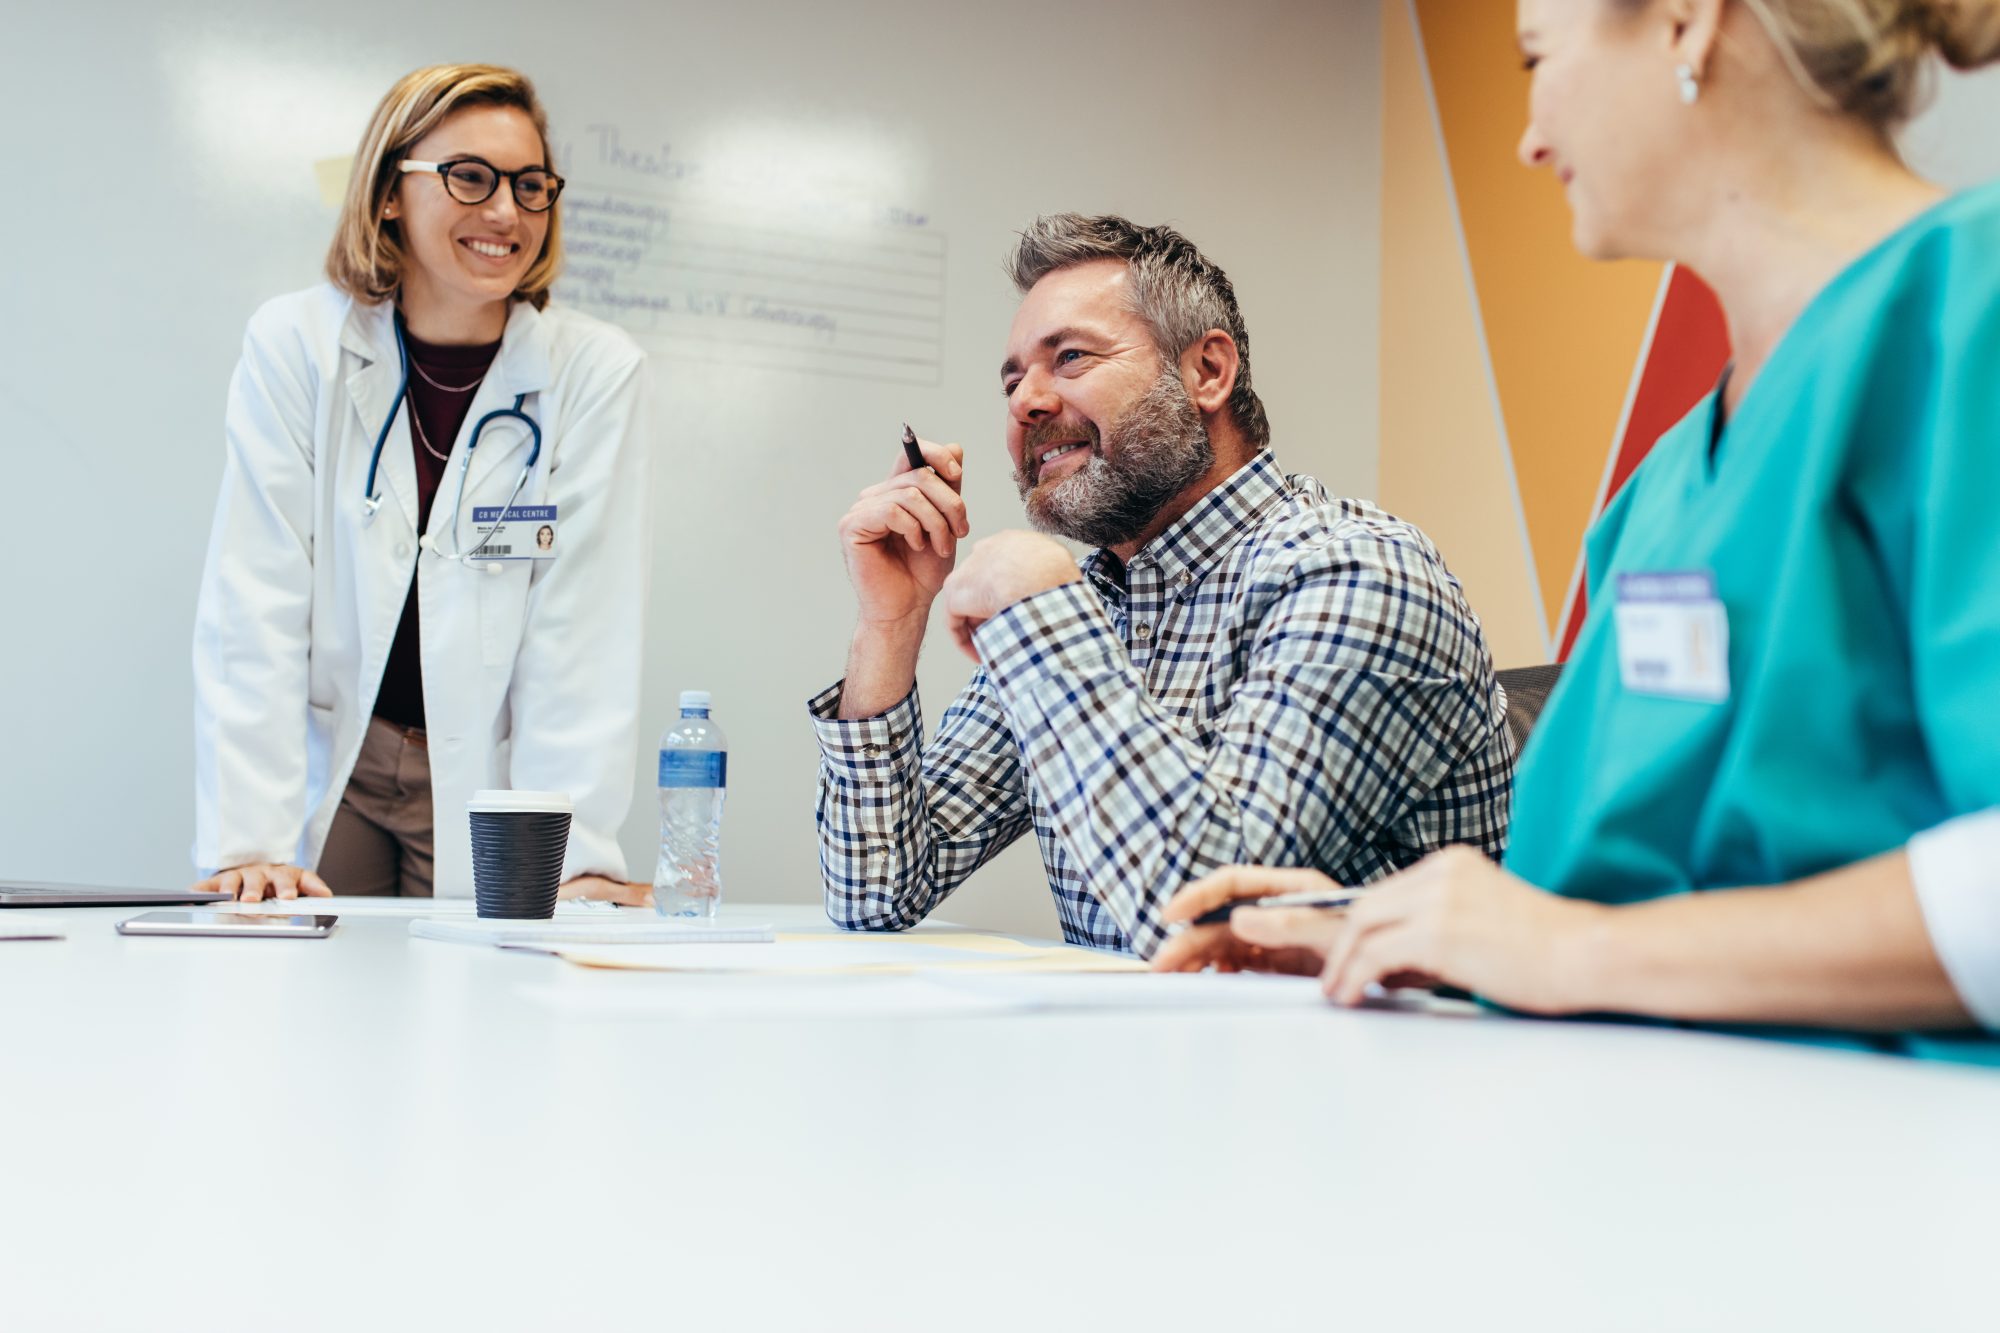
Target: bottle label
[694, 768]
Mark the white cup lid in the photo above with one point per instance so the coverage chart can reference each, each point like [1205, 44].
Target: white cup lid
[496, 801]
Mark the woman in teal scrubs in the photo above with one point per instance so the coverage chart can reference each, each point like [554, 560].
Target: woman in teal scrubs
[1792, 664]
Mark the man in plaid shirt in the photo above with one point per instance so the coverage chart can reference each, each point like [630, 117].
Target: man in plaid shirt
[1246, 670]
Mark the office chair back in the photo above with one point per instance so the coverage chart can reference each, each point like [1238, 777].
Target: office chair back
[1527, 690]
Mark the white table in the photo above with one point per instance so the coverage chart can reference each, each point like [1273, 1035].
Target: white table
[374, 1132]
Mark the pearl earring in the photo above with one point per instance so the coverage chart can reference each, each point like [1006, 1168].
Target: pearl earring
[1690, 84]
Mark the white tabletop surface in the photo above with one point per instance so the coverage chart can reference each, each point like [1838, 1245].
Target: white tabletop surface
[374, 1132]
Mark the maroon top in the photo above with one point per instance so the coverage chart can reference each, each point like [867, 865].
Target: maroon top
[443, 382]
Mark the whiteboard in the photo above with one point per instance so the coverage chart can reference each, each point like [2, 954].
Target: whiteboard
[171, 166]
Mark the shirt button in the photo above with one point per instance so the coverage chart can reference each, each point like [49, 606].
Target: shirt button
[402, 550]
[1142, 630]
[873, 751]
[1184, 579]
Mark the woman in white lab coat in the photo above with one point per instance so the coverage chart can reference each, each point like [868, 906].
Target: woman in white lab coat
[357, 676]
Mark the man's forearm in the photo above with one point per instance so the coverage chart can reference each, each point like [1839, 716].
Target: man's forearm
[1846, 949]
[1169, 807]
[881, 667]
[900, 828]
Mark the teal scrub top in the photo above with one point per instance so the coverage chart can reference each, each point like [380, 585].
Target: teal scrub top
[1849, 517]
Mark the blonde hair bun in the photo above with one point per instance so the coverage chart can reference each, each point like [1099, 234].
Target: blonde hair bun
[1965, 32]
[1870, 58]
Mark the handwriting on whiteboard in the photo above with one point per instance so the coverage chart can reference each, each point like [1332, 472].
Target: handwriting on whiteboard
[821, 285]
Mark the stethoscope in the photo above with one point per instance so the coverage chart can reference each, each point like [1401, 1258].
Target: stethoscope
[372, 498]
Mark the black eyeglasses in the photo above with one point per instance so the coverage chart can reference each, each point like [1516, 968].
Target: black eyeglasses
[473, 181]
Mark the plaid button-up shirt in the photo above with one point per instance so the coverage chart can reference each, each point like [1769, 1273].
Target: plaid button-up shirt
[1280, 678]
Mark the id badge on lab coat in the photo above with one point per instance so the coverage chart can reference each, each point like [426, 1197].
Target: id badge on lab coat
[1673, 636]
[526, 532]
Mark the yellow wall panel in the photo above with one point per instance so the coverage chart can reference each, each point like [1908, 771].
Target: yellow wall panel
[1443, 460]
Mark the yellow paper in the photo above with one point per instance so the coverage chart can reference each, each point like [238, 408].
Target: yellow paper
[860, 955]
[1054, 960]
[332, 174]
[958, 939]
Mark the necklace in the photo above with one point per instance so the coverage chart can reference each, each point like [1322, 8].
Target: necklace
[447, 388]
[417, 425]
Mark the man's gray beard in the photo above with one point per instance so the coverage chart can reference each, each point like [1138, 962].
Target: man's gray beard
[1154, 452]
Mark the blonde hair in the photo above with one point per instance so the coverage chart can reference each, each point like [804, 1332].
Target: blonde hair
[367, 256]
[1869, 58]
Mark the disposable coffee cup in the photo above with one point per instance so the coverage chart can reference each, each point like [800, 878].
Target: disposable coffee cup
[519, 839]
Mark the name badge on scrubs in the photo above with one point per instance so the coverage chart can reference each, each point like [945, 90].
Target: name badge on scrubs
[525, 532]
[1673, 636]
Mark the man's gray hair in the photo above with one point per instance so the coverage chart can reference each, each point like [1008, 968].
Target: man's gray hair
[1176, 290]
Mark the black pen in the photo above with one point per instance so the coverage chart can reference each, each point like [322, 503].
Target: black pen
[1322, 900]
[910, 449]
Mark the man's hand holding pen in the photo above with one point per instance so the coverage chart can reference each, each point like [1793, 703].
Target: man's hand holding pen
[900, 541]
[900, 537]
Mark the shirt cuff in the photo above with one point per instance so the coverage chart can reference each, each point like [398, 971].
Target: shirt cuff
[869, 749]
[1064, 629]
[1956, 868]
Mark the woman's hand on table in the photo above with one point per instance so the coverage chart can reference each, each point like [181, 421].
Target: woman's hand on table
[1196, 948]
[601, 889]
[1455, 918]
[265, 879]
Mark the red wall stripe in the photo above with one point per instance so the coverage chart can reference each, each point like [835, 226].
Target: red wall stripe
[1690, 348]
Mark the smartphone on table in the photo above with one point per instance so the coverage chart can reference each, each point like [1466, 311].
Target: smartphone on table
[214, 922]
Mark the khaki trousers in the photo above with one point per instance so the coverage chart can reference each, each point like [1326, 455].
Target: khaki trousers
[381, 839]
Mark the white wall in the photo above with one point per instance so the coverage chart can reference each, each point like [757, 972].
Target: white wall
[169, 188]
[1953, 141]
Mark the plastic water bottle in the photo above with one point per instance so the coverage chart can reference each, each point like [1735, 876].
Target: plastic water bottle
[694, 770]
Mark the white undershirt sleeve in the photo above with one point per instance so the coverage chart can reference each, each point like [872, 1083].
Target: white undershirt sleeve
[1956, 868]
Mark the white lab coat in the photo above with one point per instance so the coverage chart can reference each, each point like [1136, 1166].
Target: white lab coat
[531, 670]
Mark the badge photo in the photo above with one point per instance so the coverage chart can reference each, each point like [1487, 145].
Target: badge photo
[523, 532]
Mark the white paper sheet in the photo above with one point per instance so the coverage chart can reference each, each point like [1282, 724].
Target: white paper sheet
[925, 993]
[1163, 990]
[853, 954]
[717, 997]
[857, 955]
[633, 929]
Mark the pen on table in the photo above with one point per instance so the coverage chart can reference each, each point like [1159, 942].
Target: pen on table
[1324, 900]
[910, 449]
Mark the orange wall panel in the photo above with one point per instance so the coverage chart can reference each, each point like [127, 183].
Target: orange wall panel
[1563, 332]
